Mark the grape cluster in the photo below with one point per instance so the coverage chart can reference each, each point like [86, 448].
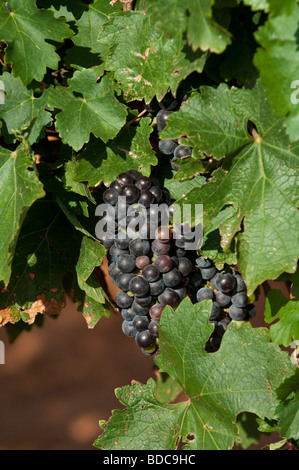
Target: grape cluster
[162, 109]
[153, 268]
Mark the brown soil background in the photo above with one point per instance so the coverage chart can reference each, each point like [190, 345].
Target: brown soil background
[58, 380]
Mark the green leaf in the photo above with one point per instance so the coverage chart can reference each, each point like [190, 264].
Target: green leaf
[70, 10]
[47, 249]
[25, 30]
[95, 111]
[194, 17]
[92, 20]
[277, 62]
[131, 149]
[287, 328]
[19, 188]
[156, 423]
[258, 177]
[241, 376]
[144, 61]
[21, 108]
[288, 409]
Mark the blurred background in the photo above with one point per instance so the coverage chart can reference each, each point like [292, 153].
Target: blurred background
[58, 380]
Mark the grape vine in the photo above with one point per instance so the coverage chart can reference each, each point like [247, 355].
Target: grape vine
[113, 116]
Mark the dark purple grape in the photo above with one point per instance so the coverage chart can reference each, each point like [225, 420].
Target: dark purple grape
[140, 322]
[205, 293]
[130, 192]
[155, 311]
[123, 280]
[225, 282]
[124, 179]
[160, 248]
[129, 329]
[123, 300]
[146, 198]
[251, 310]
[142, 261]
[185, 265]
[139, 286]
[169, 297]
[204, 262]
[223, 300]
[157, 287]
[144, 301]
[240, 283]
[236, 313]
[127, 314]
[151, 273]
[153, 328]
[168, 102]
[164, 263]
[139, 247]
[144, 182]
[208, 273]
[181, 151]
[126, 263]
[239, 299]
[107, 239]
[167, 146]
[215, 312]
[144, 339]
[134, 174]
[161, 119]
[172, 278]
[222, 326]
[110, 196]
[157, 192]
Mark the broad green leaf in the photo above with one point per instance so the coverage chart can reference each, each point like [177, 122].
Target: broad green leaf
[288, 409]
[167, 388]
[91, 256]
[277, 62]
[131, 149]
[195, 17]
[71, 11]
[19, 188]
[240, 377]
[25, 30]
[47, 249]
[278, 307]
[157, 424]
[91, 21]
[21, 108]
[258, 177]
[144, 61]
[87, 107]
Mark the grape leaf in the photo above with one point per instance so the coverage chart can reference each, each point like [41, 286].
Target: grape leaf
[277, 62]
[258, 177]
[241, 376]
[95, 110]
[70, 10]
[131, 149]
[47, 249]
[22, 108]
[91, 22]
[19, 188]
[194, 17]
[144, 61]
[95, 300]
[288, 408]
[278, 307]
[25, 30]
